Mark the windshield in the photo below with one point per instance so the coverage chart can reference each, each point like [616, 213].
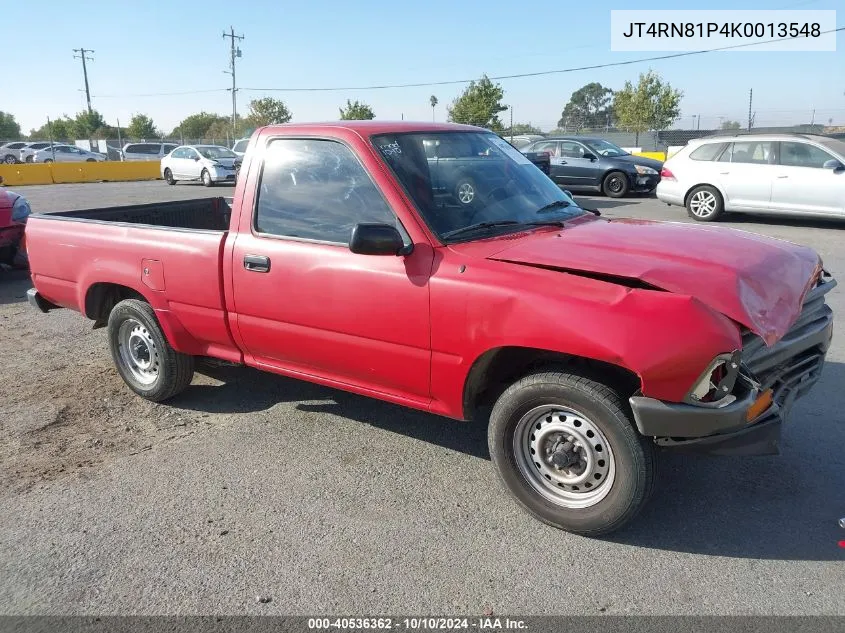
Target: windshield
[460, 179]
[605, 148]
[214, 153]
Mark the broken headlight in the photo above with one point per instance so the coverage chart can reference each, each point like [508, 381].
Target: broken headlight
[715, 386]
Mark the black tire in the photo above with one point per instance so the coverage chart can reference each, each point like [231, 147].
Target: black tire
[616, 184]
[465, 191]
[90, 160]
[173, 370]
[168, 177]
[205, 176]
[632, 457]
[46, 160]
[705, 204]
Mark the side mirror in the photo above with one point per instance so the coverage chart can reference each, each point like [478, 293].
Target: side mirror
[196, 158]
[377, 239]
[589, 156]
[833, 164]
[567, 192]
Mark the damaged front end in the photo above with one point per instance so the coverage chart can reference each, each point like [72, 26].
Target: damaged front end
[738, 405]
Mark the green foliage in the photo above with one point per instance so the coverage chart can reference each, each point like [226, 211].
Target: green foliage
[86, 123]
[433, 101]
[479, 105]
[59, 130]
[356, 111]
[221, 131]
[267, 111]
[650, 105]
[9, 127]
[521, 128]
[142, 127]
[588, 107]
[731, 125]
[197, 125]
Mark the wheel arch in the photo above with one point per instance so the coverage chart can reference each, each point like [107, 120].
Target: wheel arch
[492, 372]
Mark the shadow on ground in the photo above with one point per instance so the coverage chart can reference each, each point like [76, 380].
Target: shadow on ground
[778, 220]
[13, 286]
[780, 507]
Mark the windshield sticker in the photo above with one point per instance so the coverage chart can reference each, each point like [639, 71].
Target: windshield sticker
[391, 149]
[510, 150]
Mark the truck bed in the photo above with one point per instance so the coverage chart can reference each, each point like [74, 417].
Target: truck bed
[209, 214]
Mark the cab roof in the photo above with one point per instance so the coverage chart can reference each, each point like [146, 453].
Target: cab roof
[367, 128]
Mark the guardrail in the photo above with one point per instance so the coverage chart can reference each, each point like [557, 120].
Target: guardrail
[58, 173]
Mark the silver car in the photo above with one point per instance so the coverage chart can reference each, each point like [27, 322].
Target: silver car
[147, 151]
[10, 153]
[29, 149]
[66, 154]
[208, 163]
[785, 174]
[240, 146]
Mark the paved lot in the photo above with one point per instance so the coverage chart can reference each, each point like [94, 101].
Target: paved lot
[250, 484]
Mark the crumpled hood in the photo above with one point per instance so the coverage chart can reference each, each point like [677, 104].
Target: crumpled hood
[757, 281]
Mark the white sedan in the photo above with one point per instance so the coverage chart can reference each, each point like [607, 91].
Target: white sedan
[66, 154]
[208, 163]
[785, 174]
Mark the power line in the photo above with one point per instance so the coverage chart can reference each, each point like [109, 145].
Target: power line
[540, 73]
[83, 57]
[164, 94]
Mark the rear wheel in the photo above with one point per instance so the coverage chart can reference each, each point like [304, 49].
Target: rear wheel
[565, 447]
[616, 185]
[168, 177]
[143, 357]
[46, 160]
[206, 178]
[705, 204]
[9, 159]
[90, 160]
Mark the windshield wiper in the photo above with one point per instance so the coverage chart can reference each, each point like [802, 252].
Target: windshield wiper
[480, 225]
[557, 204]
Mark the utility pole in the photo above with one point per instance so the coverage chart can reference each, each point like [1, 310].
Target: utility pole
[750, 100]
[234, 53]
[813, 119]
[82, 52]
[511, 125]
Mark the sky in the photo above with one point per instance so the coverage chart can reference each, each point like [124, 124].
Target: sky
[151, 47]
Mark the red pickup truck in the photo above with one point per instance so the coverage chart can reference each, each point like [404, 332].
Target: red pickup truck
[590, 344]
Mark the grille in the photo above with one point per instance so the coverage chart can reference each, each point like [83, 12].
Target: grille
[793, 364]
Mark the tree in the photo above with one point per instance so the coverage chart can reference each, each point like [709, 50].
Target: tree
[9, 127]
[356, 112]
[267, 111]
[652, 105]
[433, 101]
[142, 127]
[589, 107]
[479, 105]
[196, 125]
[221, 129]
[731, 125]
[521, 128]
[86, 123]
[59, 130]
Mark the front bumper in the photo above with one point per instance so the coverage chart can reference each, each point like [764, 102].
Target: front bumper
[220, 175]
[789, 368]
[644, 183]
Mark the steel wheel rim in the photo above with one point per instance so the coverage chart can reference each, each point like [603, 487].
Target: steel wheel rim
[538, 437]
[614, 184]
[702, 204]
[466, 193]
[138, 352]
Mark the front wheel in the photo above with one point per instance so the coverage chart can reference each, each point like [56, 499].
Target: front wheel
[616, 184]
[143, 357]
[565, 447]
[90, 160]
[206, 178]
[10, 160]
[168, 177]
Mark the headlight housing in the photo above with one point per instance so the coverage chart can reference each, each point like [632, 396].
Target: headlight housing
[715, 385]
[21, 210]
[642, 170]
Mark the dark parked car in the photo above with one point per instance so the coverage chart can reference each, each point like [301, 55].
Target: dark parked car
[595, 164]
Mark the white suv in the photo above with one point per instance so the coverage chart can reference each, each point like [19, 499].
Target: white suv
[785, 174]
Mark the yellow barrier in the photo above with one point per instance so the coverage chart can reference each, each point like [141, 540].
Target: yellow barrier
[661, 156]
[26, 175]
[60, 173]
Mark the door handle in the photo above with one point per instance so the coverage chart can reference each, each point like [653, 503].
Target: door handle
[257, 263]
[724, 173]
[779, 177]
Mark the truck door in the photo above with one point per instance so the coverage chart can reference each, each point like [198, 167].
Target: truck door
[303, 302]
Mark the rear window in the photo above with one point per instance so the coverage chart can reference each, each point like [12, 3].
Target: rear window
[708, 151]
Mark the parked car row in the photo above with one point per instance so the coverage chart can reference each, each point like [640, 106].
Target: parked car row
[46, 152]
